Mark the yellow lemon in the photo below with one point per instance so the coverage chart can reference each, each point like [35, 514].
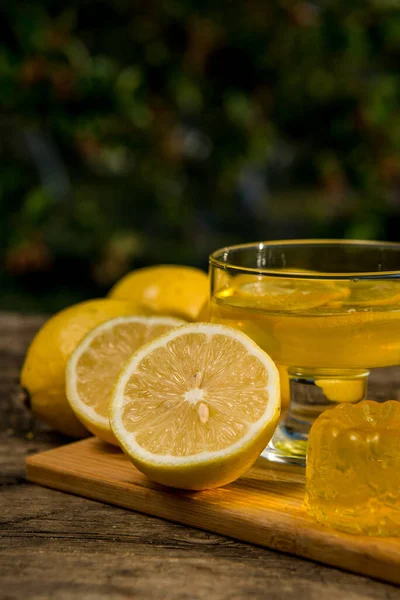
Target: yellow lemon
[98, 359]
[195, 407]
[43, 373]
[165, 289]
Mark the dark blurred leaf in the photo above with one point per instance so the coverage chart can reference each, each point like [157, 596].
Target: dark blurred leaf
[184, 125]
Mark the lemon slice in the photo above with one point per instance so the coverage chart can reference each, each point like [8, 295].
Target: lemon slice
[279, 294]
[195, 408]
[97, 360]
[370, 293]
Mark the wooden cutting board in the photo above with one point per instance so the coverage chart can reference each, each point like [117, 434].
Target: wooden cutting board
[264, 507]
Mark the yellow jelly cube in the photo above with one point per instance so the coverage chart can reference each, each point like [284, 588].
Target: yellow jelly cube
[353, 468]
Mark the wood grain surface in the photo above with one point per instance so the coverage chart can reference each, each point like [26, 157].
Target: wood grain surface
[264, 507]
[58, 546]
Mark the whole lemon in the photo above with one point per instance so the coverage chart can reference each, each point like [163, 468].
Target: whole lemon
[43, 372]
[165, 290]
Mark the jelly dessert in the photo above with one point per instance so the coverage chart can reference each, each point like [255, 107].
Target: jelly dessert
[353, 468]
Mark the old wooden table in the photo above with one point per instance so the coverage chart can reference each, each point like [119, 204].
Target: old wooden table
[54, 545]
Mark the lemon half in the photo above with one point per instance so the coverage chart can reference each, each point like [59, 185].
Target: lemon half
[97, 360]
[195, 408]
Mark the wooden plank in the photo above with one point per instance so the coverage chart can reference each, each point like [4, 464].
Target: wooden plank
[67, 546]
[264, 507]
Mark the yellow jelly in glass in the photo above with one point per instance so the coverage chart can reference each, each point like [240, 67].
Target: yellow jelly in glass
[353, 468]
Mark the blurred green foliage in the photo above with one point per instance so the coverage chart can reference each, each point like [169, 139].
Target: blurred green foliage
[141, 132]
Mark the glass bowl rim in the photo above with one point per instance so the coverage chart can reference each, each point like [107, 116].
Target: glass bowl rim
[216, 262]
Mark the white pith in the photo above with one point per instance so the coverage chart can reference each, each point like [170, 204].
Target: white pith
[127, 438]
[71, 378]
[194, 395]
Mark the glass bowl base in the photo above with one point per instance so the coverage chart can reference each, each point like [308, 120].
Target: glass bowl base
[287, 447]
[311, 393]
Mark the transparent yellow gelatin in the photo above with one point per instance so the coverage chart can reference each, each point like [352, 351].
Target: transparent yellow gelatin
[353, 468]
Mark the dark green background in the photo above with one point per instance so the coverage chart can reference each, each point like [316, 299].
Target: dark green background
[134, 133]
